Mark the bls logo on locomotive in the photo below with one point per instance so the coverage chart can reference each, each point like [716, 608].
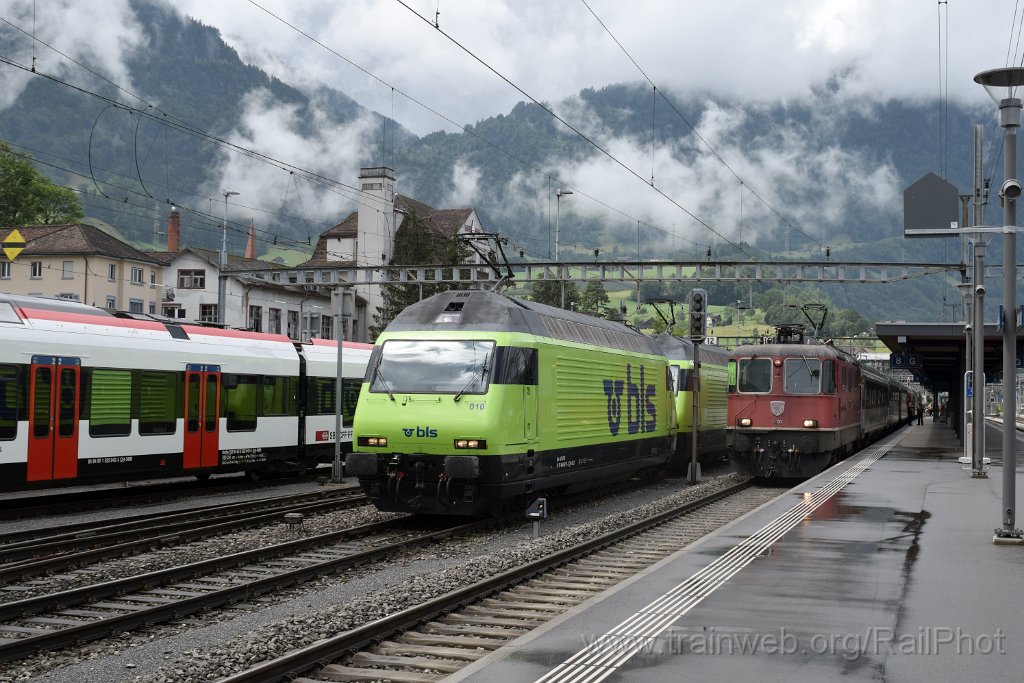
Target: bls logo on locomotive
[420, 432]
[641, 413]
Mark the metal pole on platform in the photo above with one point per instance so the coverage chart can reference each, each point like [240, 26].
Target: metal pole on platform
[978, 362]
[1009, 118]
[979, 242]
[336, 473]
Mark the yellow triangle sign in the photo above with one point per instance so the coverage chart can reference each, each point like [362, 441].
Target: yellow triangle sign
[13, 245]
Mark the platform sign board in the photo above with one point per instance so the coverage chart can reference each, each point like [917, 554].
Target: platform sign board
[931, 202]
[904, 361]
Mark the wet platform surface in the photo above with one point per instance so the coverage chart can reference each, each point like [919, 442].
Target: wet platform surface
[882, 568]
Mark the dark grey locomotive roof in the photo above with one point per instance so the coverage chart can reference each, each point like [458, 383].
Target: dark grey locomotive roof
[491, 312]
[678, 348]
[794, 350]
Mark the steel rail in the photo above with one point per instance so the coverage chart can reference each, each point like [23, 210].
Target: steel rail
[107, 533]
[21, 570]
[300, 661]
[24, 647]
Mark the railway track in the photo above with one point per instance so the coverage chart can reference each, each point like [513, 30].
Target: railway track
[20, 504]
[38, 551]
[58, 620]
[429, 641]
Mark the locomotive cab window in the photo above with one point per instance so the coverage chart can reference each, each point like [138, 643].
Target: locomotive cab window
[755, 375]
[803, 376]
[433, 367]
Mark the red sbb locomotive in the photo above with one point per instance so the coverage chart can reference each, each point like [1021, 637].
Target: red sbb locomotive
[795, 409]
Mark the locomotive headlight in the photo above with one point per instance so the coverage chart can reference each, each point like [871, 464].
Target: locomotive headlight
[372, 441]
[473, 444]
[744, 422]
[810, 424]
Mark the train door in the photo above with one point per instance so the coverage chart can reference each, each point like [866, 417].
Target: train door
[530, 412]
[202, 416]
[54, 396]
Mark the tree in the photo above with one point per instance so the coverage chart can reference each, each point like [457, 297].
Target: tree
[27, 197]
[550, 292]
[416, 244]
[594, 299]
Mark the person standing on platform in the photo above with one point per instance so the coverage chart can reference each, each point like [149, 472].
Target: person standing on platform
[920, 415]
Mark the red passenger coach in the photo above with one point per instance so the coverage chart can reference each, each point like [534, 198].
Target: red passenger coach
[795, 409]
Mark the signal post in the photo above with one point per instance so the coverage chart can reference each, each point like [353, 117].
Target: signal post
[698, 319]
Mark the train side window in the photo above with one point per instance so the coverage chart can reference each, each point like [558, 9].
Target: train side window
[158, 400]
[8, 402]
[515, 365]
[732, 376]
[274, 397]
[320, 398]
[350, 389]
[41, 404]
[67, 402]
[240, 397]
[828, 377]
[110, 403]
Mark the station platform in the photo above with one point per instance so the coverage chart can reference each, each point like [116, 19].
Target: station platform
[881, 568]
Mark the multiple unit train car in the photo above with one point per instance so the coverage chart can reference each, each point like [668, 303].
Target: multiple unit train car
[473, 399]
[86, 395]
[795, 409]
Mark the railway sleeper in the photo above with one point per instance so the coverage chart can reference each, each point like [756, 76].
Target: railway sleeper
[366, 659]
[415, 638]
[527, 613]
[336, 672]
[536, 605]
[389, 647]
[436, 627]
[493, 621]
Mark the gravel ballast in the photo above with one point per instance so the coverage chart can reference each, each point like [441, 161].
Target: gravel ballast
[206, 648]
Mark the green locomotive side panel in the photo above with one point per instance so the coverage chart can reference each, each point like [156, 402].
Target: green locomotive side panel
[713, 406]
[583, 396]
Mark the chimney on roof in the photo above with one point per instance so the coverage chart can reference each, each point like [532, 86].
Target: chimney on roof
[250, 245]
[174, 231]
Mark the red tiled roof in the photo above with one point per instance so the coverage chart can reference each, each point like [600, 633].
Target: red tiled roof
[75, 238]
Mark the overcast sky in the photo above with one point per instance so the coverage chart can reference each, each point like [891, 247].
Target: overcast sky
[740, 52]
[742, 49]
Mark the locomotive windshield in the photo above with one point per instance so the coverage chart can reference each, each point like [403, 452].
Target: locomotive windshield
[423, 366]
[755, 375]
[803, 376]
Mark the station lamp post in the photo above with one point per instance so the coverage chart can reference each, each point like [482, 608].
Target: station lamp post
[222, 280]
[1000, 85]
[559, 193]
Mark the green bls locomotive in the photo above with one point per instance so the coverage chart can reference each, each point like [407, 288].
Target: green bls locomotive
[712, 400]
[472, 400]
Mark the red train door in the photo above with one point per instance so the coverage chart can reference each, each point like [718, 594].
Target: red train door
[202, 416]
[54, 385]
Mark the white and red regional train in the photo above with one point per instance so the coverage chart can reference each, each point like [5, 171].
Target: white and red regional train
[86, 395]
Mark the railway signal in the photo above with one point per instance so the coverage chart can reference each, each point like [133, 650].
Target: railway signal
[698, 314]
